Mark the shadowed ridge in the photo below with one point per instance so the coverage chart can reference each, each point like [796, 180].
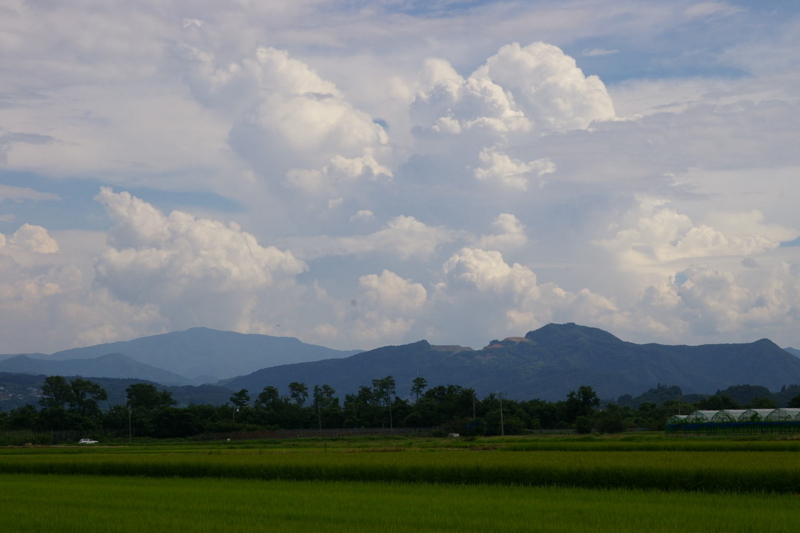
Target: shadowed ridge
[569, 333]
[794, 351]
[548, 363]
[112, 365]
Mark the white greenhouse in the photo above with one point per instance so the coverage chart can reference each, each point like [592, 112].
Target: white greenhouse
[740, 421]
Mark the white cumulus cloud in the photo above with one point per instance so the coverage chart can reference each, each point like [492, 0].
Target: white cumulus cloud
[500, 168]
[711, 301]
[34, 239]
[548, 86]
[527, 303]
[340, 170]
[390, 292]
[518, 89]
[388, 305]
[510, 234]
[193, 269]
[655, 234]
[286, 115]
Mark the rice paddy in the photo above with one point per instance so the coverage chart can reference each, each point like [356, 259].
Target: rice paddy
[526, 485]
[86, 504]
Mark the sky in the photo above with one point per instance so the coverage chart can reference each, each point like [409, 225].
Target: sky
[363, 173]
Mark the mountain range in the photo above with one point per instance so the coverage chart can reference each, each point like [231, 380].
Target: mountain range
[197, 355]
[113, 365]
[547, 363]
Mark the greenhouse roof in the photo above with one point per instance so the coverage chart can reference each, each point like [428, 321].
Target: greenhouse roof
[740, 415]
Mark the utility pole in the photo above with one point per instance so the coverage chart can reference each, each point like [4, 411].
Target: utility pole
[319, 415]
[130, 426]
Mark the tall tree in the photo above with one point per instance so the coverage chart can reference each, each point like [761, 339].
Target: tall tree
[384, 390]
[326, 405]
[56, 393]
[324, 397]
[418, 385]
[85, 395]
[267, 397]
[241, 398]
[298, 392]
[146, 396]
[581, 403]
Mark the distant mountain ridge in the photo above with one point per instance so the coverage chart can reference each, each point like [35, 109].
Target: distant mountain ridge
[4, 356]
[794, 351]
[208, 355]
[113, 365]
[547, 364]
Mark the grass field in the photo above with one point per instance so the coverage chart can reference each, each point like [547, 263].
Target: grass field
[85, 504]
[533, 484]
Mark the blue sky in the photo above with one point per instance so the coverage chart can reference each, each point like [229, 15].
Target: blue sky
[381, 172]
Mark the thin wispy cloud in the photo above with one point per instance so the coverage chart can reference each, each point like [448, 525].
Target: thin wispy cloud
[595, 52]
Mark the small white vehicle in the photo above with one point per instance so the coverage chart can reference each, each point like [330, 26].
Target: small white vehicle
[87, 441]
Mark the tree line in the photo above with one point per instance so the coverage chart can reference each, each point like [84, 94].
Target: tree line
[69, 405]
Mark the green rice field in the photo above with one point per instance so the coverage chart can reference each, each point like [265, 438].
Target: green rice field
[737, 471]
[405, 485]
[86, 504]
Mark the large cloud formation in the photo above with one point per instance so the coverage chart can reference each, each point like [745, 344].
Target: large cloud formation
[530, 304]
[519, 89]
[661, 235]
[288, 120]
[385, 172]
[194, 270]
[46, 305]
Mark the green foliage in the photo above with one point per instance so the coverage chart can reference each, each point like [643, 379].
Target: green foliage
[762, 403]
[269, 397]
[583, 425]
[150, 412]
[745, 394]
[147, 397]
[658, 395]
[56, 393]
[581, 403]
[298, 392]
[68, 405]
[241, 398]
[717, 402]
[85, 397]
[476, 427]
[418, 386]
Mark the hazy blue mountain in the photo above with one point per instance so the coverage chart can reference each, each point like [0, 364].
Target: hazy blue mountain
[208, 354]
[114, 365]
[548, 363]
[794, 351]
[4, 356]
